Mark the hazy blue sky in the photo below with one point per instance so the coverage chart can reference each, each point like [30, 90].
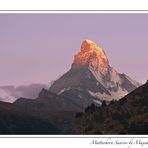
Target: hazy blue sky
[38, 48]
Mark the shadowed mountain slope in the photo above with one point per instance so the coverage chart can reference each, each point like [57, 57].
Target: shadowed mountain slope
[126, 116]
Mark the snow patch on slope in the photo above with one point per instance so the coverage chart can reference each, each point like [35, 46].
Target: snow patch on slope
[119, 93]
[115, 95]
[101, 96]
[62, 90]
[97, 102]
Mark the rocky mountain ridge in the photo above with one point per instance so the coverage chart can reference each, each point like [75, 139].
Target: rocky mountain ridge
[92, 79]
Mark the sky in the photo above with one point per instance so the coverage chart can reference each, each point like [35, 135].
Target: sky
[39, 48]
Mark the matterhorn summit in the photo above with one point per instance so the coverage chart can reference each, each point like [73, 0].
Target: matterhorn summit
[91, 79]
[92, 56]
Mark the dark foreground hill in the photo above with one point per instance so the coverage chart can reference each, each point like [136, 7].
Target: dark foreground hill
[127, 116]
[47, 114]
[15, 120]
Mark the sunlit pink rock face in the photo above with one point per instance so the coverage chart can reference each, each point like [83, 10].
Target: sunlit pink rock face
[91, 55]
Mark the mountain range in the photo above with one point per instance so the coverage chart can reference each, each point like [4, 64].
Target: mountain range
[90, 80]
[91, 98]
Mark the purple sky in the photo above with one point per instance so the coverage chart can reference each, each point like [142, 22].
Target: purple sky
[38, 48]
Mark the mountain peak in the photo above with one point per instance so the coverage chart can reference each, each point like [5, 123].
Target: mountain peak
[91, 79]
[92, 56]
[89, 45]
[88, 42]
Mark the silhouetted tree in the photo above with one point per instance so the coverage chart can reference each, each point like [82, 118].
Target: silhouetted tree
[103, 103]
[79, 114]
[92, 108]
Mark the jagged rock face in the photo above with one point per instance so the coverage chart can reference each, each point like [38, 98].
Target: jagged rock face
[92, 79]
[92, 56]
